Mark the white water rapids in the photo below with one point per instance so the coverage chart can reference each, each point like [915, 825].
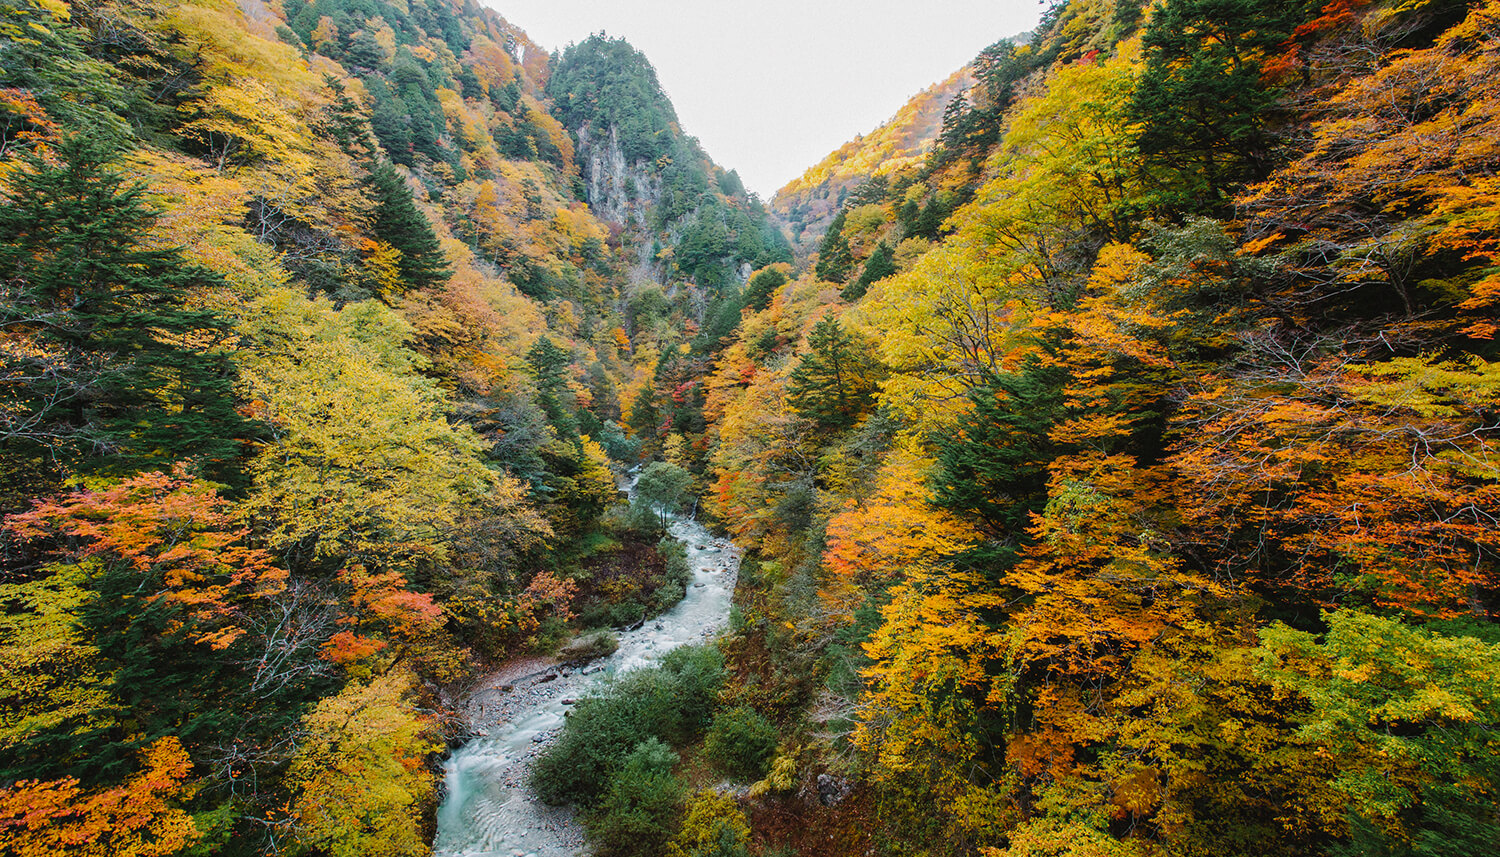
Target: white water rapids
[488, 810]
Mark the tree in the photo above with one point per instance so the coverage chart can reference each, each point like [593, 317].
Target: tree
[834, 257]
[1390, 212]
[994, 466]
[1202, 102]
[52, 694]
[1406, 713]
[1320, 480]
[137, 819]
[167, 593]
[881, 264]
[397, 221]
[365, 465]
[550, 368]
[741, 743]
[176, 535]
[834, 382]
[762, 286]
[713, 826]
[347, 123]
[890, 534]
[359, 771]
[664, 488]
[109, 361]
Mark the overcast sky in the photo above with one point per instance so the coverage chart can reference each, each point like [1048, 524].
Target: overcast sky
[771, 86]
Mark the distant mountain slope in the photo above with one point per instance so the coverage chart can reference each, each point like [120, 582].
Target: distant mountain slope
[807, 204]
[683, 217]
[335, 269]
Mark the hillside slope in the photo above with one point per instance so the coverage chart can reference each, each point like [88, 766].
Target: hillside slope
[1104, 471]
[807, 204]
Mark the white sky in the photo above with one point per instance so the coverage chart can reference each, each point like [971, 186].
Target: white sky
[771, 86]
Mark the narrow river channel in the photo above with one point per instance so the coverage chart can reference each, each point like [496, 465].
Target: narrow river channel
[488, 811]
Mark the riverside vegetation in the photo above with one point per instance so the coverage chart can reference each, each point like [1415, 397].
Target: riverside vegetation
[1111, 446]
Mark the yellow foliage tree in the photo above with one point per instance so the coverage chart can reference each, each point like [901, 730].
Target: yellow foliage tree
[359, 772]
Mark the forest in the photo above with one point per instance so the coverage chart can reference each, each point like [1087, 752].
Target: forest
[1109, 438]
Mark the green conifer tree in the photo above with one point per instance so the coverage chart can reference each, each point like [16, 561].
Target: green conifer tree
[834, 256]
[549, 367]
[1202, 102]
[832, 384]
[762, 286]
[994, 467]
[398, 222]
[881, 264]
[108, 365]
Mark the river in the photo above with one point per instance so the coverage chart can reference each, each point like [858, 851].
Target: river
[487, 810]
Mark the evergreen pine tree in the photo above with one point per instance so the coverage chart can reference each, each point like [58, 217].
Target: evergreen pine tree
[1202, 103]
[398, 222]
[994, 468]
[834, 256]
[881, 264]
[106, 365]
[762, 286]
[831, 384]
[346, 123]
[469, 84]
[549, 367]
[364, 52]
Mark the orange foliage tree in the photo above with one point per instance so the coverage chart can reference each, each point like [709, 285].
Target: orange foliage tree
[138, 819]
[183, 541]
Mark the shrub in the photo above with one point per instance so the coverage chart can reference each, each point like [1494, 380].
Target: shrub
[741, 743]
[671, 703]
[714, 827]
[674, 554]
[600, 644]
[639, 812]
[782, 778]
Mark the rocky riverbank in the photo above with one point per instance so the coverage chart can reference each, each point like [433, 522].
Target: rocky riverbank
[516, 711]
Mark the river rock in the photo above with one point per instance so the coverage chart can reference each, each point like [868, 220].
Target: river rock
[832, 790]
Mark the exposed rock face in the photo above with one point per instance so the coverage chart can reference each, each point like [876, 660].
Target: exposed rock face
[623, 194]
[628, 195]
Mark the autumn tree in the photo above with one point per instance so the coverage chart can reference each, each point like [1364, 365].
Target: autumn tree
[366, 467]
[358, 771]
[1322, 483]
[1405, 712]
[892, 534]
[1382, 216]
[55, 690]
[140, 818]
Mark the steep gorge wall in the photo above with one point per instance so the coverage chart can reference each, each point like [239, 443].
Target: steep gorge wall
[622, 194]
